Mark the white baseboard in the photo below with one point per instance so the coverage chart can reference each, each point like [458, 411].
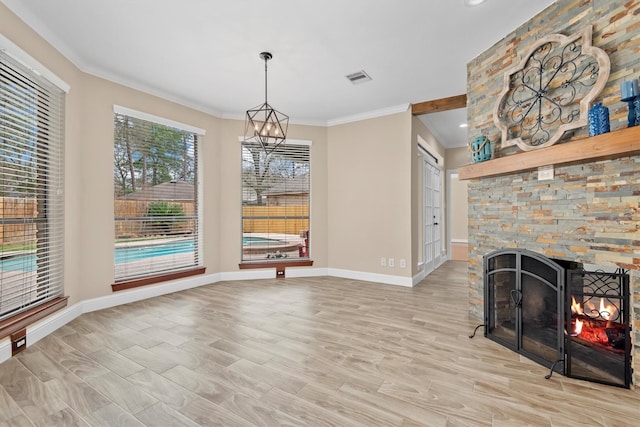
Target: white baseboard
[269, 273]
[418, 277]
[259, 273]
[145, 292]
[371, 277]
[41, 329]
[5, 350]
[307, 272]
[44, 327]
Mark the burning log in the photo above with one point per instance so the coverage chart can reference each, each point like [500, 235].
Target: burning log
[617, 336]
[598, 331]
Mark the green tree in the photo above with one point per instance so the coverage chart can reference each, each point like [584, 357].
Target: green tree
[164, 216]
[148, 154]
[256, 169]
[18, 139]
[261, 171]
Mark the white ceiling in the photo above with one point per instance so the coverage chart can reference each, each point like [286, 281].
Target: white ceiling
[205, 53]
[445, 126]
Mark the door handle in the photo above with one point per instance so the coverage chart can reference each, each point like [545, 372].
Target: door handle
[516, 296]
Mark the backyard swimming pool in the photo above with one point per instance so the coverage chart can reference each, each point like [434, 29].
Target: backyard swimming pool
[18, 263]
[258, 240]
[135, 253]
[27, 262]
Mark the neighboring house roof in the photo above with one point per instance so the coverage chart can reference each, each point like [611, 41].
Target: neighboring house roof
[297, 185]
[178, 190]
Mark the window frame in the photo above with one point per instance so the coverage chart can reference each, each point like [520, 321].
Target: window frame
[304, 240]
[177, 270]
[44, 142]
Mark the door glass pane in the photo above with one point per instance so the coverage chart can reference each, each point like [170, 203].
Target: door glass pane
[502, 321]
[539, 318]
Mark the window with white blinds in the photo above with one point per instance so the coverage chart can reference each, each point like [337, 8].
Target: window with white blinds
[156, 198]
[275, 202]
[31, 188]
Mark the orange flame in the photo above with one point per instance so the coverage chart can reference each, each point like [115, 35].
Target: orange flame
[589, 330]
[607, 312]
[578, 327]
[575, 307]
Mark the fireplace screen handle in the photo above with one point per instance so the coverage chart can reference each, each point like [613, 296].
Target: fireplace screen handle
[516, 296]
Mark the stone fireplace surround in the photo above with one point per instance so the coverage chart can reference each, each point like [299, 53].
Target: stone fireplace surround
[589, 213]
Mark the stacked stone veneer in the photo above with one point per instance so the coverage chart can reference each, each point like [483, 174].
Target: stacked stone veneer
[589, 212]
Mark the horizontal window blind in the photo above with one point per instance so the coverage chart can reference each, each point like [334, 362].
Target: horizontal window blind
[275, 202]
[31, 189]
[156, 198]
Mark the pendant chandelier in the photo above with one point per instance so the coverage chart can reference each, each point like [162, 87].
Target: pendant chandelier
[265, 125]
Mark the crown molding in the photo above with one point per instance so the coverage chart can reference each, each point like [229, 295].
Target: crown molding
[292, 120]
[369, 115]
[22, 11]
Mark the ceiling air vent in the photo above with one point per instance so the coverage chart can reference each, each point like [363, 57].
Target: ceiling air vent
[358, 77]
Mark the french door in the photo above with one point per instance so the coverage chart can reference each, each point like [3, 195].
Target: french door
[432, 214]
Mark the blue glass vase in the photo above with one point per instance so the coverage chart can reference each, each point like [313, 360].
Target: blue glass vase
[598, 119]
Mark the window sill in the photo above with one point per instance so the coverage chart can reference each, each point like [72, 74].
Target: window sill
[278, 265]
[149, 280]
[20, 321]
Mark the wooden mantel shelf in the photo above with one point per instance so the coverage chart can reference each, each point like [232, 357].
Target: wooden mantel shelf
[610, 145]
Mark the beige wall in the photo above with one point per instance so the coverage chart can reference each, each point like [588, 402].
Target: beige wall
[459, 209]
[458, 218]
[369, 194]
[456, 157]
[366, 180]
[362, 180]
[95, 172]
[89, 224]
[458, 204]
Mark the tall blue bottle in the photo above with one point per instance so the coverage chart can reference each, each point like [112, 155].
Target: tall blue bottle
[598, 119]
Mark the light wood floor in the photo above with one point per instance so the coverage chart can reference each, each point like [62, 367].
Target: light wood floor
[316, 351]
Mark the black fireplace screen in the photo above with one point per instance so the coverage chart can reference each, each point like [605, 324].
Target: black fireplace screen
[597, 316]
[582, 332]
[522, 303]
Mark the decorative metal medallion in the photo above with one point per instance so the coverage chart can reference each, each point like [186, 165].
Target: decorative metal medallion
[549, 92]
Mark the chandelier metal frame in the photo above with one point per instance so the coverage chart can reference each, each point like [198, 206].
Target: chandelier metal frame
[264, 124]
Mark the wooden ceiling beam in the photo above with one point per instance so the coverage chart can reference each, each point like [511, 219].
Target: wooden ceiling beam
[437, 105]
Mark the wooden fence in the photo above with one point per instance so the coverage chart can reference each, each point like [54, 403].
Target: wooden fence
[130, 222]
[275, 219]
[256, 219]
[17, 207]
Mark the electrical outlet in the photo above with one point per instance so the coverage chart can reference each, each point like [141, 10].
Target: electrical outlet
[383, 262]
[545, 173]
[403, 263]
[18, 341]
[392, 262]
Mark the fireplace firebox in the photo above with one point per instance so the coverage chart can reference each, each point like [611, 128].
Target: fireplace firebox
[573, 321]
